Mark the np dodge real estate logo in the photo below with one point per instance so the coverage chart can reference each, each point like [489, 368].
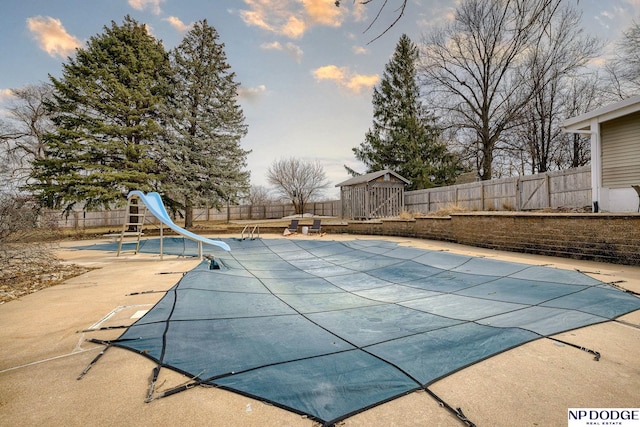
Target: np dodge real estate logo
[586, 417]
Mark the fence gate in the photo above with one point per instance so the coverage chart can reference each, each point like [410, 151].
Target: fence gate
[533, 192]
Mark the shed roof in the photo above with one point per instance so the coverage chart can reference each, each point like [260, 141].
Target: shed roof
[360, 179]
[604, 114]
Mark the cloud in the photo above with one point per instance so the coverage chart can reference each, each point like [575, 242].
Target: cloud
[252, 94]
[291, 18]
[294, 51]
[598, 62]
[344, 77]
[440, 12]
[256, 19]
[294, 28]
[323, 12]
[359, 50]
[178, 24]
[5, 95]
[607, 14]
[52, 36]
[357, 82]
[329, 72]
[153, 5]
[359, 11]
[289, 48]
[271, 46]
[266, 14]
[614, 18]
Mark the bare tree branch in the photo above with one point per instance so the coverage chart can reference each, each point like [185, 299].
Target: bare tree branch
[399, 11]
[473, 68]
[23, 131]
[624, 70]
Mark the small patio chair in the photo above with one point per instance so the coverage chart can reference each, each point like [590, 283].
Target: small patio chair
[315, 227]
[293, 227]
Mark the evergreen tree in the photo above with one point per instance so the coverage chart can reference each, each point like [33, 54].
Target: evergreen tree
[107, 109]
[404, 136]
[203, 157]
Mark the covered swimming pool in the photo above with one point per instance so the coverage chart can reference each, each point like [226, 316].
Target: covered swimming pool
[330, 328]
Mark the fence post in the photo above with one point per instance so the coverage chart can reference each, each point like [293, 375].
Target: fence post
[518, 194]
[548, 186]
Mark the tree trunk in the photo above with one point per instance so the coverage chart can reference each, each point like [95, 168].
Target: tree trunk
[487, 163]
[188, 213]
[575, 161]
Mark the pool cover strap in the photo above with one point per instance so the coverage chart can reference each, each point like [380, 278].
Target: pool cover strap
[456, 411]
[95, 359]
[596, 354]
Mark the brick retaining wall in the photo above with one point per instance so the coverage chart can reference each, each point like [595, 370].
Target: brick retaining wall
[611, 238]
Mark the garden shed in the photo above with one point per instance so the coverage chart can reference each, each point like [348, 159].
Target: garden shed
[615, 153]
[373, 195]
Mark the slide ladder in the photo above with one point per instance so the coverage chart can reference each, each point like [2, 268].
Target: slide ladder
[133, 223]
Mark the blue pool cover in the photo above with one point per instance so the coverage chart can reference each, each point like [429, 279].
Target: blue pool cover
[329, 329]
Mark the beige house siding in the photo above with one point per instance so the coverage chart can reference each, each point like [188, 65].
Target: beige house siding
[621, 151]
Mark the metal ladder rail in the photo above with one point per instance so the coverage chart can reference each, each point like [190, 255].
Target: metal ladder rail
[250, 233]
[253, 232]
[140, 218]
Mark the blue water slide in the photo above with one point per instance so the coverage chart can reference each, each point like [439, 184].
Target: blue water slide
[154, 204]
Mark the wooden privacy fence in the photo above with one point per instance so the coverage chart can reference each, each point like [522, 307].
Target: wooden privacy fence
[249, 212]
[568, 188]
[116, 217]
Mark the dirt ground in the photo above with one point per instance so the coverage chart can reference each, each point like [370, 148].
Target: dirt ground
[32, 270]
[44, 349]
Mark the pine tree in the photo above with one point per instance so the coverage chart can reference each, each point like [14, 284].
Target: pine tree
[203, 157]
[404, 136]
[107, 109]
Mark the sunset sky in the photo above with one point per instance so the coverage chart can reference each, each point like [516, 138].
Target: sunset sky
[306, 67]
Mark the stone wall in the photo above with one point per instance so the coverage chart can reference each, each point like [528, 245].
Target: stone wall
[611, 238]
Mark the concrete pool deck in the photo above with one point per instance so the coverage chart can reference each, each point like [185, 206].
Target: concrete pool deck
[42, 354]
